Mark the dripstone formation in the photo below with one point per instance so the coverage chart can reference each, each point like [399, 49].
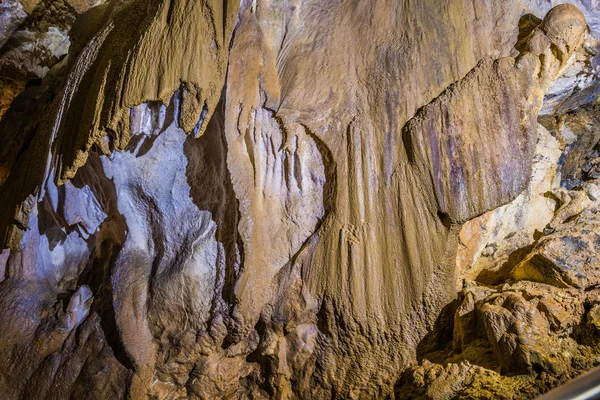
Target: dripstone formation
[292, 199]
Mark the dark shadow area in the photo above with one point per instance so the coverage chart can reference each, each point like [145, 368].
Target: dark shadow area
[105, 246]
[493, 277]
[586, 332]
[268, 364]
[17, 128]
[211, 190]
[527, 25]
[440, 337]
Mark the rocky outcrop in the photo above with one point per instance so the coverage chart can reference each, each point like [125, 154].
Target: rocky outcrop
[33, 42]
[213, 200]
[513, 341]
[568, 256]
[525, 318]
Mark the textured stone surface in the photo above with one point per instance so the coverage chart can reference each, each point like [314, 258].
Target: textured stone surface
[265, 200]
[589, 7]
[489, 244]
[33, 37]
[11, 15]
[567, 257]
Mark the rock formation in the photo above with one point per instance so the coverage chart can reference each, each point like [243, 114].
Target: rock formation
[298, 199]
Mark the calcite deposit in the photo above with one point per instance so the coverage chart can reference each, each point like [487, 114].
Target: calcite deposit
[293, 199]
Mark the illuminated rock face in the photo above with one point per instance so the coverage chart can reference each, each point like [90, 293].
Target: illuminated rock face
[208, 199]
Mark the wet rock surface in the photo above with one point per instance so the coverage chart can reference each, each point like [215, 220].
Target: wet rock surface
[207, 199]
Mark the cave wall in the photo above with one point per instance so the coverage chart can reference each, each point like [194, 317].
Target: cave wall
[209, 199]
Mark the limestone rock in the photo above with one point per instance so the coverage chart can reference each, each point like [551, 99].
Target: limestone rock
[578, 85]
[589, 8]
[493, 243]
[578, 132]
[514, 328]
[11, 15]
[540, 335]
[468, 325]
[432, 381]
[567, 257]
[209, 199]
[81, 6]
[33, 38]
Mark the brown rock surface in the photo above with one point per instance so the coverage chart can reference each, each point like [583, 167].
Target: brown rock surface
[567, 257]
[208, 199]
[33, 38]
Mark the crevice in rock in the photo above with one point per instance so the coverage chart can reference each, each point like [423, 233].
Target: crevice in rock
[108, 240]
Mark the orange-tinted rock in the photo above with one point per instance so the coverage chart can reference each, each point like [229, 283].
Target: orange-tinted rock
[566, 258]
[301, 241]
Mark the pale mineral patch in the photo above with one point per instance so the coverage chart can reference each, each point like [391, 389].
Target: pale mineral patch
[293, 199]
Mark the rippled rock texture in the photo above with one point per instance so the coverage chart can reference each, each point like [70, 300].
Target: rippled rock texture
[298, 199]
